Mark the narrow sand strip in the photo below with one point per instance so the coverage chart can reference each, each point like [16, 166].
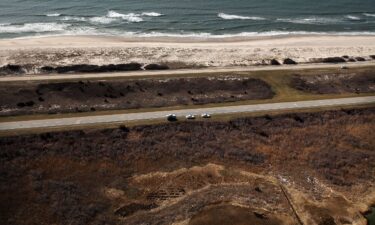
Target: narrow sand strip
[87, 76]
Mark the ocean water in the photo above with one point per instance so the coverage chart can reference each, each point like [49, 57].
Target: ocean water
[190, 18]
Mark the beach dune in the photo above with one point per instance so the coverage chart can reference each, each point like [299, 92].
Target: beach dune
[180, 52]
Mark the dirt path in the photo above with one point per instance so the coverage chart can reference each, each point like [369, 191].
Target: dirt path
[179, 72]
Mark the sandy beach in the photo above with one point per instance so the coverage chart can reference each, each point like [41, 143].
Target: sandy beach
[180, 52]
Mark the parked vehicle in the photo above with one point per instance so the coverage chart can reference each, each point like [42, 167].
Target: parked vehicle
[171, 117]
[190, 117]
[206, 115]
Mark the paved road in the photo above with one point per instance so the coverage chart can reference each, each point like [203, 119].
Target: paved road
[62, 122]
[51, 77]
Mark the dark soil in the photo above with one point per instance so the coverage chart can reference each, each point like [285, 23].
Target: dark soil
[156, 67]
[336, 59]
[30, 69]
[133, 208]
[289, 61]
[274, 62]
[29, 98]
[78, 68]
[360, 59]
[62, 177]
[329, 60]
[335, 83]
[85, 68]
[231, 215]
[370, 216]
[11, 69]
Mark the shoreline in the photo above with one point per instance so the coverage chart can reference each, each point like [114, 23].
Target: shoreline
[199, 37]
[113, 39]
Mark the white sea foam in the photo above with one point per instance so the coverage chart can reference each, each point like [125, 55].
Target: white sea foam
[113, 16]
[242, 34]
[130, 17]
[352, 17]
[152, 14]
[102, 20]
[369, 14]
[53, 14]
[73, 31]
[73, 18]
[311, 20]
[237, 17]
[70, 31]
[33, 28]
[82, 30]
[96, 19]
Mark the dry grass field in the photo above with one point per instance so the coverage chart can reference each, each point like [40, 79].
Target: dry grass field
[317, 168]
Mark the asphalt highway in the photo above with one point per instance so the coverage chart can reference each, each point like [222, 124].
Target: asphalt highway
[114, 118]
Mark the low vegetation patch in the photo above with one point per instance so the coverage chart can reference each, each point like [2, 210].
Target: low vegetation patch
[84, 96]
[335, 83]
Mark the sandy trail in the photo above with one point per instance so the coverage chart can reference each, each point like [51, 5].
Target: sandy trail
[180, 72]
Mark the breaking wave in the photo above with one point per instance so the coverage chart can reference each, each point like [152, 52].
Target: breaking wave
[152, 14]
[102, 20]
[73, 31]
[53, 14]
[73, 18]
[32, 28]
[236, 17]
[111, 16]
[369, 14]
[311, 20]
[130, 17]
[352, 17]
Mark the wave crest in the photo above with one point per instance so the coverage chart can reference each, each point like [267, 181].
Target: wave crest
[152, 14]
[33, 28]
[310, 20]
[352, 17]
[102, 20]
[237, 17]
[369, 14]
[112, 16]
[73, 18]
[53, 14]
[130, 17]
